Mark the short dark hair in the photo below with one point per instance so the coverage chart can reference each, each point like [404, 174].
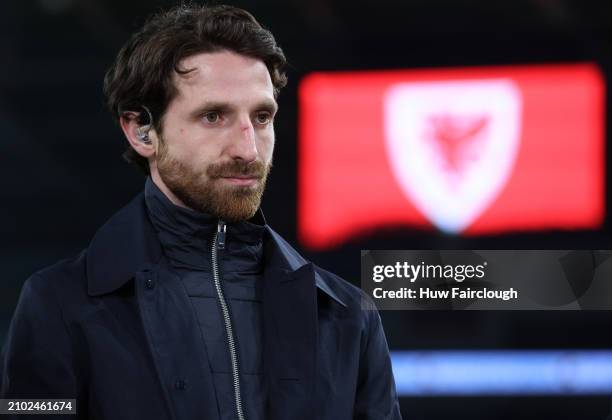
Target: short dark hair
[143, 70]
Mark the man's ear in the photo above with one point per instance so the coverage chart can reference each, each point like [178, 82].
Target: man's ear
[142, 138]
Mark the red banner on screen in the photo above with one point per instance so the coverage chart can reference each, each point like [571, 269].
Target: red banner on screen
[466, 151]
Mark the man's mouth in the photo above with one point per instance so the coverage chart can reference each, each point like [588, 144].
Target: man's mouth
[241, 180]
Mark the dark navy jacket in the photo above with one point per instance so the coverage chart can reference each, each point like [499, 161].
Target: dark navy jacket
[107, 329]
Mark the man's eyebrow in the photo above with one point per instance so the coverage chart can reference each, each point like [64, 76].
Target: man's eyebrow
[210, 106]
[270, 106]
[266, 105]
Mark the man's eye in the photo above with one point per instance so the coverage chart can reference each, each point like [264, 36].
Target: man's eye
[212, 117]
[263, 117]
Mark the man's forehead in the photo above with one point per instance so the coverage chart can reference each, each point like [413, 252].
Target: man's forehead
[224, 69]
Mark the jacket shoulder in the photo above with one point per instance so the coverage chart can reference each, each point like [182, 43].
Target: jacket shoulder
[65, 277]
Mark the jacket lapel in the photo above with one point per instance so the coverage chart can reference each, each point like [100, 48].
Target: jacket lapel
[290, 324]
[290, 320]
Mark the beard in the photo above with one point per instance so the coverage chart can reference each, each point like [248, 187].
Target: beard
[204, 191]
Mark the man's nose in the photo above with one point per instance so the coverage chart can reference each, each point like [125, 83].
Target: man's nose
[244, 145]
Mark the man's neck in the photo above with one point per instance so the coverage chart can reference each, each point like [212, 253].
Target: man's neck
[162, 186]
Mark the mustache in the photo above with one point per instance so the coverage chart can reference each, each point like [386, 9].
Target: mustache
[237, 168]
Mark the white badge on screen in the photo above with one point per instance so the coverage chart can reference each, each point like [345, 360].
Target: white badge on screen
[452, 145]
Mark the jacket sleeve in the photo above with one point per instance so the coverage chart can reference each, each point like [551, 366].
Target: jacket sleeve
[376, 396]
[37, 356]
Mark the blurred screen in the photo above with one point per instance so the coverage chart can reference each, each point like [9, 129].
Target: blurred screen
[466, 151]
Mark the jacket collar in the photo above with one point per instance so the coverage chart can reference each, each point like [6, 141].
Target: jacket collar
[128, 243]
[125, 244]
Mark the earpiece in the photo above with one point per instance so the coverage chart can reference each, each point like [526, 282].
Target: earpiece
[142, 132]
[143, 135]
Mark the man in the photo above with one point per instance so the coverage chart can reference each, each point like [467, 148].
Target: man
[186, 304]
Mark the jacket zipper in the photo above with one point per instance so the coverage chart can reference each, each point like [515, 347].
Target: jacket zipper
[219, 244]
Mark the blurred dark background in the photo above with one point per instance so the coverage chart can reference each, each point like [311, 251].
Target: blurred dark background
[62, 175]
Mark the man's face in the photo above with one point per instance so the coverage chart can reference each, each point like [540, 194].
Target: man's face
[215, 149]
